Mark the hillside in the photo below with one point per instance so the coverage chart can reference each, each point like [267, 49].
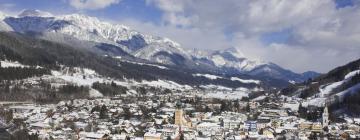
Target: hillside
[338, 89]
[25, 59]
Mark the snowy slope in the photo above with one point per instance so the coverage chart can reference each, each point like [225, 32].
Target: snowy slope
[235, 59]
[245, 80]
[329, 91]
[92, 29]
[3, 25]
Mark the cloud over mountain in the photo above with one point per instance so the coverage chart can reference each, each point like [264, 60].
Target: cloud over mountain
[92, 4]
[316, 31]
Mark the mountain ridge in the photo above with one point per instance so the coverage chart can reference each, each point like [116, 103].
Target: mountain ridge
[152, 48]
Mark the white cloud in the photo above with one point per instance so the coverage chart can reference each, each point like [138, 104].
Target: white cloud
[174, 11]
[92, 4]
[7, 9]
[321, 38]
[188, 37]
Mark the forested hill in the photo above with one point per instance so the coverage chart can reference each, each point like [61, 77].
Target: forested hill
[338, 89]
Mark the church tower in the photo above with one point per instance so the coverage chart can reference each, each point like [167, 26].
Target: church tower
[325, 117]
[179, 114]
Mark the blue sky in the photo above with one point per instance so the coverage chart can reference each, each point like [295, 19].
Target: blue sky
[134, 9]
[315, 31]
[125, 9]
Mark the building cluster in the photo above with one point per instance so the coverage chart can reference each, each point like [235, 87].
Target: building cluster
[164, 117]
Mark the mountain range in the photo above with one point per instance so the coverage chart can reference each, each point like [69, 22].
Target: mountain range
[128, 45]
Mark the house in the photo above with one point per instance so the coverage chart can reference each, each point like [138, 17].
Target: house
[118, 137]
[208, 128]
[93, 136]
[231, 124]
[152, 136]
[262, 123]
[317, 127]
[250, 126]
[268, 132]
[305, 125]
[169, 130]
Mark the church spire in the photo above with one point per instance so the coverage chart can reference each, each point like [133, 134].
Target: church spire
[325, 117]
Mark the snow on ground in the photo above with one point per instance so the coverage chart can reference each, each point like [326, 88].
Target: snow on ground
[215, 87]
[166, 84]
[351, 74]
[319, 102]
[209, 76]
[292, 106]
[247, 81]
[218, 60]
[138, 63]
[225, 94]
[7, 64]
[326, 90]
[219, 92]
[292, 81]
[244, 89]
[260, 98]
[94, 93]
[85, 78]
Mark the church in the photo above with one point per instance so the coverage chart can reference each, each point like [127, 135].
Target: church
[325, 117]
[180, 118]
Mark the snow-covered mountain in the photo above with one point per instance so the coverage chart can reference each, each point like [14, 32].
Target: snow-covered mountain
[4, 26]
[151, 48]
[91, 29]
[234, 59]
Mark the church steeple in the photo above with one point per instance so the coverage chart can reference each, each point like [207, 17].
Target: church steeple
[179, 114]
[325, 117]
[178, 105]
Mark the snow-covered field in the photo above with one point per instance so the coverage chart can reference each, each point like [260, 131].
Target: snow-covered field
[215, 87]
[245, 80]
[225, 94]
[292, 106]
[320, 102]
[208, 76]
[86, 77]
[138, 63]
[166, 84]
[326, 89]
[7, 64]
[214, 77]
